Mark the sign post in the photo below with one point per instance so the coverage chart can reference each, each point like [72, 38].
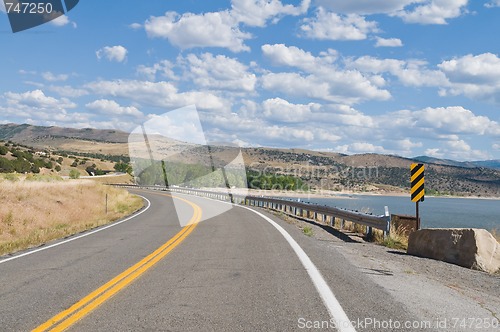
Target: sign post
[417, 187]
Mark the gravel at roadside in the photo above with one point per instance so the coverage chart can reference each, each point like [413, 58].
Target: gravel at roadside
[467, 300]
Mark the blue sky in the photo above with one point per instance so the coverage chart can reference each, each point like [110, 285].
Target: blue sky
[405, 77]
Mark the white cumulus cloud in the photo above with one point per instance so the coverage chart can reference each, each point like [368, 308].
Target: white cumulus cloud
[219, 72]
[37, 99]
[433, 11]
[165, 68]
[388, 42]
[215, 29]
[258, 12]
[112, 53]
[332, 26]
[455, 120]
[409, 72]
[222, 28]
[322, 78]
[62, 21]
[280, 110]
[360, 147]
[111, 107]
[475, 76]
[158, 94]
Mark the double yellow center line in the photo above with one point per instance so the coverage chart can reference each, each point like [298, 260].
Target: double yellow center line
[70, 316]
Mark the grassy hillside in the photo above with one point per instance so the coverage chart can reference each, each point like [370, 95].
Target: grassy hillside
[40, 208]
[21, 159]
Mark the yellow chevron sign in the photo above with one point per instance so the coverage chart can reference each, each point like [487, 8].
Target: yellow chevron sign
[417, 182]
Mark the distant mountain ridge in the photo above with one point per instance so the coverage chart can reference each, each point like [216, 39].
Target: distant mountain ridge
[321, 170]
[25, 133]
[495, 164]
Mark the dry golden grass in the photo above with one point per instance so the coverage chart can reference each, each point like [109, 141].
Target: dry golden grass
[125, 178]
[395, 240]
[90, 146]
[35, 212]
[351, 227]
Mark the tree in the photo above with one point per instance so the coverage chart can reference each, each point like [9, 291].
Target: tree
[123, 167]
[35, 169]
[6, 165]
[21, 165]
[58, 168]
[3, 150]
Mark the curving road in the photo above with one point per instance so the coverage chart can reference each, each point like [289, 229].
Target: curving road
[234, 271]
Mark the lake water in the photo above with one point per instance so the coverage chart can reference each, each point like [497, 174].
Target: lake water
[435, 212]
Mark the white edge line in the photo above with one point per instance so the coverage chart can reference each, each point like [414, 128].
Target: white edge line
[343, 323]
[80, 236]
[333, 306]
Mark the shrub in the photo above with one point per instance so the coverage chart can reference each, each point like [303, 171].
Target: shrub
[74, 174]
[308, 231]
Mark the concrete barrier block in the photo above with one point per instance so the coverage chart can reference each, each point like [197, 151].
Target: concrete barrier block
[468, 247]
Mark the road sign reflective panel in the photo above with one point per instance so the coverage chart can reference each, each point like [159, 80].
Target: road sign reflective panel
[417, 182]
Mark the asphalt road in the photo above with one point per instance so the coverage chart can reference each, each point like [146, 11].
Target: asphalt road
[234, 271]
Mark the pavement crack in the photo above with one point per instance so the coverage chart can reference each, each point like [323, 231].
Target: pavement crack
[493, 313]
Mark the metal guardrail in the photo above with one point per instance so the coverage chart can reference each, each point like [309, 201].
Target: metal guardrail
[299, 209]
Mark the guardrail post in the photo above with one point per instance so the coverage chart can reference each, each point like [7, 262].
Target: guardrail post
[369, 232]
[388, 220]
[342, 223]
